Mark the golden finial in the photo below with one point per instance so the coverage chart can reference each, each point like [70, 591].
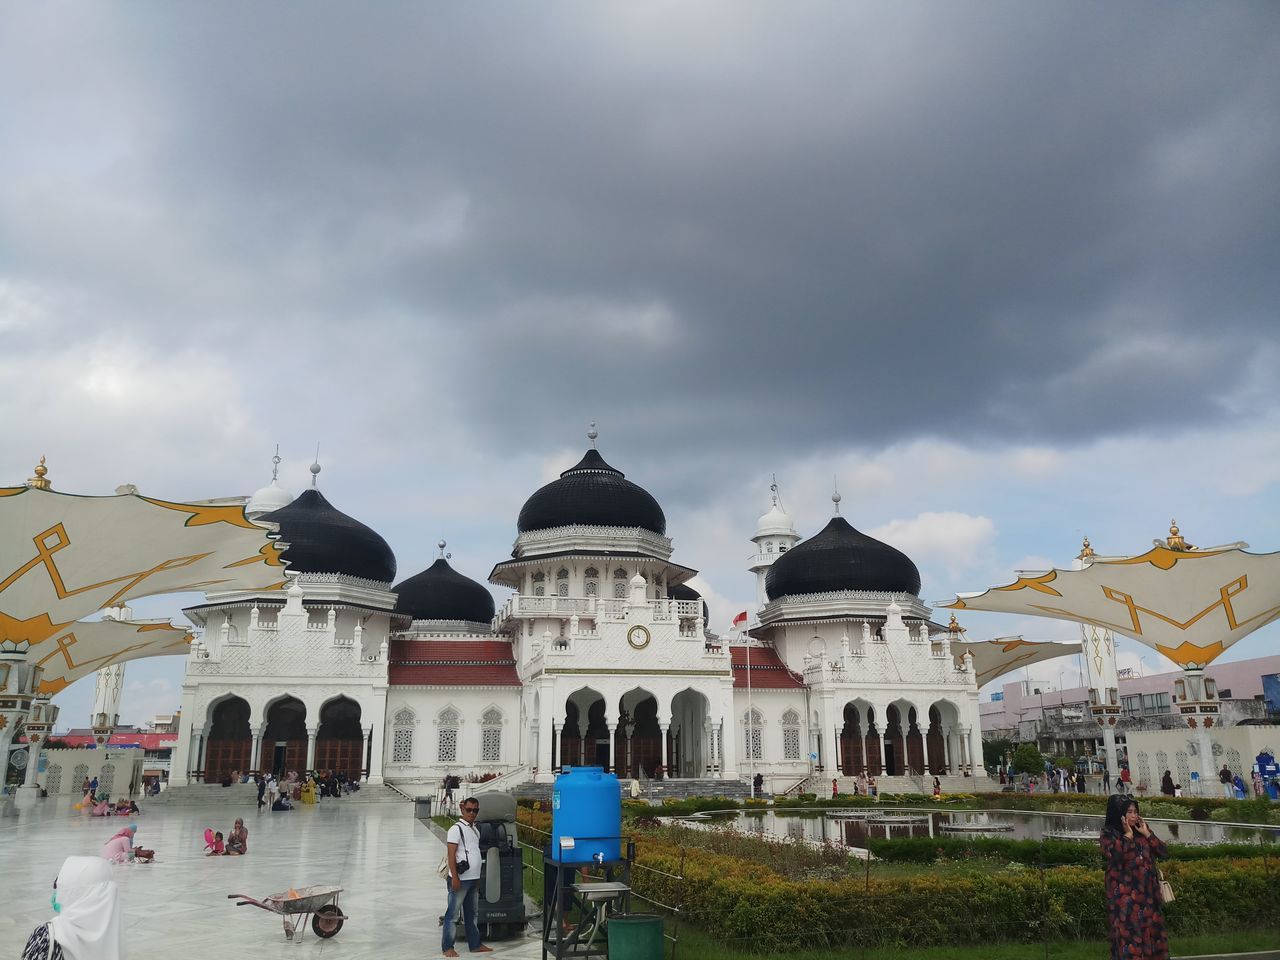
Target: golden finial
[954, 627]
[1086, 550]
[1176, 541]
[40, 481]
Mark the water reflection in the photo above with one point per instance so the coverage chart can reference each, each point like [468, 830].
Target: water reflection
[856, 826]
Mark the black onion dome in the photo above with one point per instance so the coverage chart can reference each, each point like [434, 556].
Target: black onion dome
[841, 558]
[685, 592]
[595, 494]
[323, 539]
[442, 593]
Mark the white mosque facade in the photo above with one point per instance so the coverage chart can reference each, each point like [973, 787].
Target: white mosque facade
[600, 655]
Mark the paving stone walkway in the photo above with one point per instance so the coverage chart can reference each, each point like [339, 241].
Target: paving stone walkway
[383, 858]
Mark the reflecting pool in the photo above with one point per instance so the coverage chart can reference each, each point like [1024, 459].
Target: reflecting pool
[854, 827]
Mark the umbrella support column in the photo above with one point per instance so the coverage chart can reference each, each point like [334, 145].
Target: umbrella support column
[1109, 745]
[21, 681]
[1195, 697]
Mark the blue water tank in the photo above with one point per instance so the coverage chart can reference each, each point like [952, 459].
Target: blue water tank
[586, 806]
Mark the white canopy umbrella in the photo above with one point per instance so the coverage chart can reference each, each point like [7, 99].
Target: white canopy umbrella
[88, 646]
[993, 659]
[66, 557]
[1189, 604]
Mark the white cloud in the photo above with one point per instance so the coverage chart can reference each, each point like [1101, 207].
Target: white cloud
[956, 541]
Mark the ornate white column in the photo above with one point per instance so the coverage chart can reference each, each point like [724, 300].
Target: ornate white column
[880, 747]
[365, 733]
[377, 752]
[201, 743]
[946, 750]
[255, 758]
[545, 733]
[311, 747]
[663, 728]
[613, 746]
[976, 767]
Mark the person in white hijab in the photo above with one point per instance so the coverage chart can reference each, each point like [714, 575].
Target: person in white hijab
[87, 924]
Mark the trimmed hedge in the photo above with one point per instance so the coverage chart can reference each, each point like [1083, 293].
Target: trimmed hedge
[1046, 852]
[747, 901]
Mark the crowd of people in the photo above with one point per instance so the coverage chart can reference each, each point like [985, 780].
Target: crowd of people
[283, 793]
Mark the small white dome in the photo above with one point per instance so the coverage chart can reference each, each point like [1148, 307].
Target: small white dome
[267, 500]
[775, 523]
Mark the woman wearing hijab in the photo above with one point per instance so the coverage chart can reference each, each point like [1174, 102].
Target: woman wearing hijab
[238, 842]
[86, 924]
[119, 849]
[1166, 783]
[1132, 883]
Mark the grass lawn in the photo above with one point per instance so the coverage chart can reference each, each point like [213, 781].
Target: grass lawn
[696, 945]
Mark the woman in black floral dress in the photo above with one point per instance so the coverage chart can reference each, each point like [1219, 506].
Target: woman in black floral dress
[1129, 852]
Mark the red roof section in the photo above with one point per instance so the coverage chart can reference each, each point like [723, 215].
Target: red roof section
[452, 663]
[145, 741]
[768, 672]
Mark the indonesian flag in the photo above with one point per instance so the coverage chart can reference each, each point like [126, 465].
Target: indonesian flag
[740, 619]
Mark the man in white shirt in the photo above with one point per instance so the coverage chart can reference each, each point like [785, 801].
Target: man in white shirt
[463, 855]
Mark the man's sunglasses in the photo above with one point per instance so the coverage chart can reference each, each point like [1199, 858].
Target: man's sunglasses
[470, 809]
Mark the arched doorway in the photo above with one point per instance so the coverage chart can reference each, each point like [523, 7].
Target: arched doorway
[340, 741]
[933, 744]
[853, 741]
[284, 742]
[688, 752]
[894, 741]
[873, 742]
[638, 744]
[230, 740]
[584, 737]
[914, 744]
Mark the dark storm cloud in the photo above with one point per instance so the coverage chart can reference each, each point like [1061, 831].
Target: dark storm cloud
[713, 226]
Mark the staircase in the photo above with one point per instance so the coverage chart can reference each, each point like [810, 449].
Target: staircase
[915, 784]
[246, 795]
[655, 791]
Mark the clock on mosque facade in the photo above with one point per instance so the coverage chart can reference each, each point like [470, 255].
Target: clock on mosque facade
[638, 637]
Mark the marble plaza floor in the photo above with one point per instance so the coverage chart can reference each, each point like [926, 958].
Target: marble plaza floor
[383, 858]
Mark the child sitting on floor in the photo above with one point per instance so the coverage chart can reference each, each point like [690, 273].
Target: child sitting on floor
[213, 843]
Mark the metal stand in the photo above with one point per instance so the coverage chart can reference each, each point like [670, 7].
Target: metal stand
[566, 891]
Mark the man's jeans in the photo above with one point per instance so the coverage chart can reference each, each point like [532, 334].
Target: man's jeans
[469, 898]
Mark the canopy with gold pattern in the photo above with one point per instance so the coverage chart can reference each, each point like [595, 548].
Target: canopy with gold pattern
[65, 557]
[992, 659]
[1189, 604]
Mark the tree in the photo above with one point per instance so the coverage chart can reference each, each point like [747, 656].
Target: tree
[994, 752]
[1027, 759]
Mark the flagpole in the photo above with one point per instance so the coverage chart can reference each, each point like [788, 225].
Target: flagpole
[751, 720]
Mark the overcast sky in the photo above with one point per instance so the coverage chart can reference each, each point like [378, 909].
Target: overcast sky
[1008, 271]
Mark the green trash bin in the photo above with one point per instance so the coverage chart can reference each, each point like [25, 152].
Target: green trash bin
[635, 936]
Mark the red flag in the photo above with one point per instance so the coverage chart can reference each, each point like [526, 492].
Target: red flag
[740, 619]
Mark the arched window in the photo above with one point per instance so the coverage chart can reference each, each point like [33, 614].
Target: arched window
[562, 588]
[402, 736]
[755, 736]
[562, 574]
[620, 574]
[768, 547]
[592, 588]
[448, 723]
[539, 580]
[591, 573]
[491, 736]
[782, 548]
[791, 735]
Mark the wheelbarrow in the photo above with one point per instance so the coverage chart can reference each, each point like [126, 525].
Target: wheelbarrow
[295, 905]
